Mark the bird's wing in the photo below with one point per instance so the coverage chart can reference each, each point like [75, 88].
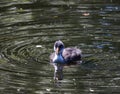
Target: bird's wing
[71, 54]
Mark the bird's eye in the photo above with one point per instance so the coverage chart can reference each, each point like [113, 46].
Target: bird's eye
[61, 46]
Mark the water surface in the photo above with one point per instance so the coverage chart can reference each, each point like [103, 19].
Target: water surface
[28, 30]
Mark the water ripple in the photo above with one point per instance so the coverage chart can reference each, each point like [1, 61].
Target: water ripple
[28, 31]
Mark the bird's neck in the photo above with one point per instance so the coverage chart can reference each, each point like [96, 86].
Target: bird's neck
[59, 58]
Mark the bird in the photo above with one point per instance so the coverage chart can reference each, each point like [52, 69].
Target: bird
[64, 57]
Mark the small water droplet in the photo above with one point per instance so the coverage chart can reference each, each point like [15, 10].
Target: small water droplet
[73, 79]
[116, 8]
[84, 27]
[18, 89]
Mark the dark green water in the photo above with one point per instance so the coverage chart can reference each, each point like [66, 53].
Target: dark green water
[28, 30]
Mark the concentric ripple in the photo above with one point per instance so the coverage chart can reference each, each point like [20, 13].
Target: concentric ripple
[28, 30]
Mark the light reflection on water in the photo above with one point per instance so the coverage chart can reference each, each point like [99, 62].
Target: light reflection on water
[28, 31]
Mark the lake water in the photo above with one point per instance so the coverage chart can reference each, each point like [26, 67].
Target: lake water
[28, 30]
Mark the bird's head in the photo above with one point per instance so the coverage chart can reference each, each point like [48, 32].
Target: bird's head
[58, 47]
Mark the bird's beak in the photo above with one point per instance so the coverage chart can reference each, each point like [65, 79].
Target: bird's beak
[57, 50]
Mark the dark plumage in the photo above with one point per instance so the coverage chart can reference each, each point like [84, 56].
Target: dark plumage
[64, 56]
[71, 55]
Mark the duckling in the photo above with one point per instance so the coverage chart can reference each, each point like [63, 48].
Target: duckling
[64, 57]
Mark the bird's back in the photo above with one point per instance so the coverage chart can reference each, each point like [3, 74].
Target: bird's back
[71, 55]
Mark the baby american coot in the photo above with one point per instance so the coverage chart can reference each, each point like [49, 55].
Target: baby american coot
[64, 57]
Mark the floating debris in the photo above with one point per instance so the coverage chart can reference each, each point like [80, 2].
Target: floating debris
[48, 89]
[91, 90]
[86, 14]
[39, 46]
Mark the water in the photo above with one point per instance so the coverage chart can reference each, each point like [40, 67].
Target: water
[28, 30]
